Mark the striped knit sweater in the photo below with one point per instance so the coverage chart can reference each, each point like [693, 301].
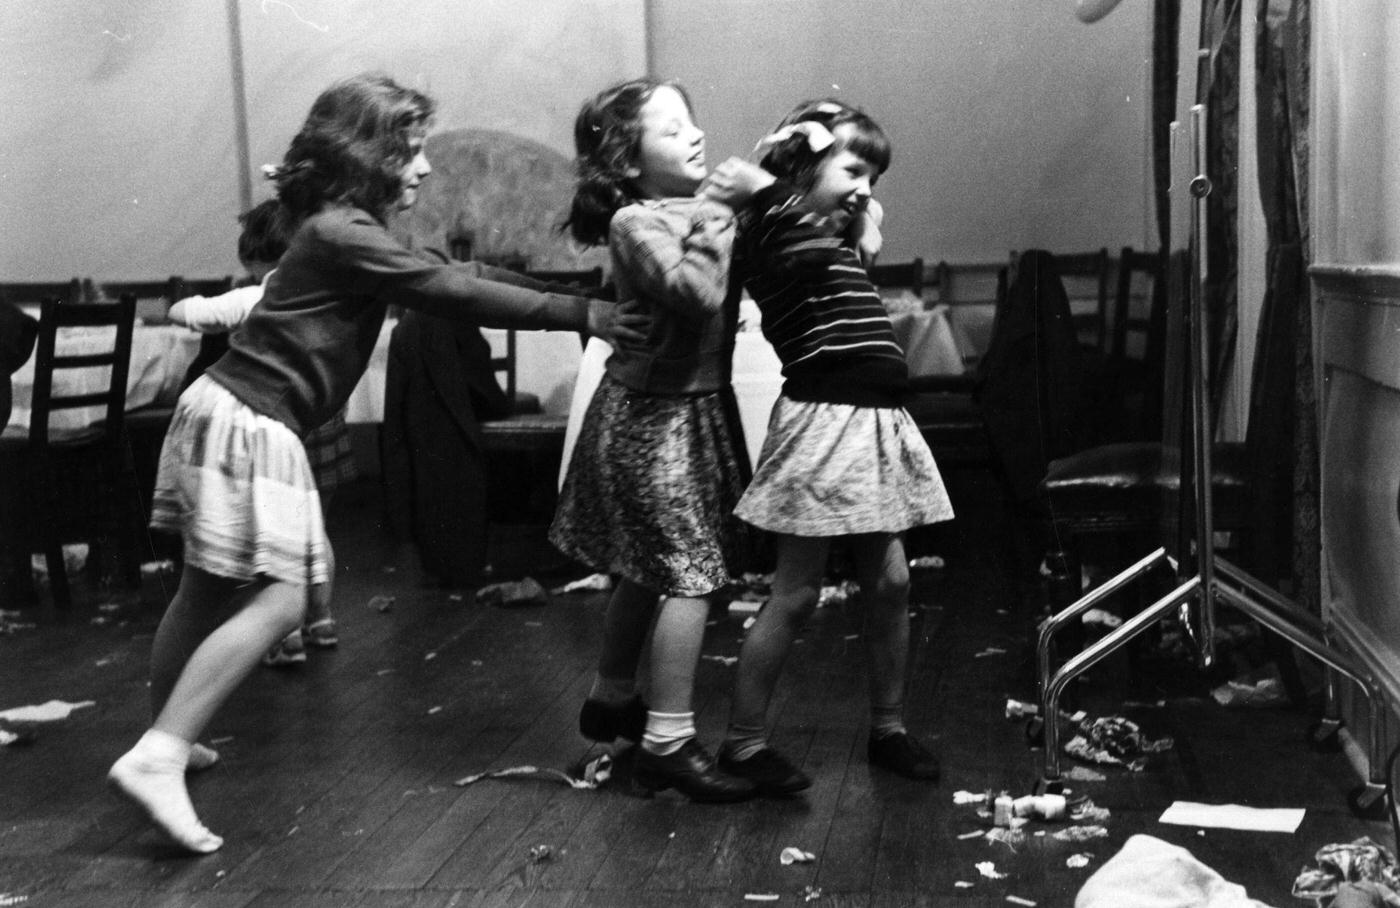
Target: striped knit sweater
[822, 315]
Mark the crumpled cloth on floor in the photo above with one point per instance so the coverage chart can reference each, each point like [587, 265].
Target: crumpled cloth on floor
[1359, 861]
[1114, 740]
[1150, 873]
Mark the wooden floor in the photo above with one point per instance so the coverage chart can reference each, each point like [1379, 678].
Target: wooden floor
[337, 781]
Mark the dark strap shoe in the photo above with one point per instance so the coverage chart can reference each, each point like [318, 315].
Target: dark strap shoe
[773, 773]
[692, 772]
[604, 722]
[902, 753]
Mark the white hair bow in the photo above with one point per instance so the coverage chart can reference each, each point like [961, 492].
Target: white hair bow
[819, 138]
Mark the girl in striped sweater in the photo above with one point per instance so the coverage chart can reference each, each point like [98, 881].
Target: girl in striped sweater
[842, 458]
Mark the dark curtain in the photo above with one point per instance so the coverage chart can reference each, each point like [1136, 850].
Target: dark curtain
[1283, 407]
[1166, 22]
[1218, 87]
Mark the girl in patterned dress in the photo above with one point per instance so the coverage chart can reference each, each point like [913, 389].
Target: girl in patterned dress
[234, 480]
[656, 471]
[842, 458]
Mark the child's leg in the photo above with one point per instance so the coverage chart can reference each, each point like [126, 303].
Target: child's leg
[670, 756]
[191, 616]
[613, 709]
[796, 588]
[797, 582]
[883, 572]
[152, 772]
[319, 627]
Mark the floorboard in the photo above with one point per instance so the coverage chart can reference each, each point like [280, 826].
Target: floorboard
[336, 784]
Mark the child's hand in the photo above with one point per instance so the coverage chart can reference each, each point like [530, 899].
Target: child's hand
[735, 181]
[865, 231]
[622, 325]
[176, 314]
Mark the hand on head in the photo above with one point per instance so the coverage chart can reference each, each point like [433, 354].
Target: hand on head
[735, 181]
[865, 231]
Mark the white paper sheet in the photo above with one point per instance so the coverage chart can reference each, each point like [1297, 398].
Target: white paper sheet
[1233, 816]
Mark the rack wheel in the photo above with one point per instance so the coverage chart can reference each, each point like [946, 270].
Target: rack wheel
[1324, 735]
[1368, 801]
[1035, 733]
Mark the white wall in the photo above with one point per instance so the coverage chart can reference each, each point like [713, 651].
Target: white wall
[1014, 124]
[119, 159]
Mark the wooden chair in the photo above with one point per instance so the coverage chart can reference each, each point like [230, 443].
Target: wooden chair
[1133, 495]
[524, 403]
[146, 426]
[524, 447]
[76, 484]
[899, 276]
[1086, 276]
[1137, 345]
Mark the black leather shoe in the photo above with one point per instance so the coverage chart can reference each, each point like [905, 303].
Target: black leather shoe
[902, 754]
[599, 721]
[772, 772]
[692, 772]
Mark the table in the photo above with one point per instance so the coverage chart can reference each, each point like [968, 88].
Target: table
[932, 347]
[160, 354]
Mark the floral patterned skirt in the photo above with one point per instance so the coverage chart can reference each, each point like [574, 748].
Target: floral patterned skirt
[651, 489]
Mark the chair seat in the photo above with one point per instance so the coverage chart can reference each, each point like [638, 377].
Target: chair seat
[525, 432]
[1126, 482]
[952, 425]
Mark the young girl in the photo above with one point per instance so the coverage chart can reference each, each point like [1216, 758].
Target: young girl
[234, 478]
[842, 458]
[655, 473]
[261, 243]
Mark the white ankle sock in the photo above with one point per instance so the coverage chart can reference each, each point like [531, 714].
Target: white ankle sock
[152, 774]
[666, 732]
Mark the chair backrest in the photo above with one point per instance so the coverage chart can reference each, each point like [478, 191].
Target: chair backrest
[897, 276]
[1139, 305]
[587, 279]
[116, 356]
[1086, 278]
[199, 286]
[35, 292]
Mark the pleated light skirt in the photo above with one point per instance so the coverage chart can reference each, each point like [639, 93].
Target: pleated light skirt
[239, 490]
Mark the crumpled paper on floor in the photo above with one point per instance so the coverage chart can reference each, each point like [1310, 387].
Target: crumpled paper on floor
[792, 855]
[591, 583]
[1149, 871]
[51, 711]
[593, 774]
[513, 593]
[1358, 861]
[1114, 740]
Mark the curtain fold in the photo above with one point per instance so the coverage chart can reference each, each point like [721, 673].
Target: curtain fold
[1284, 400]
[1218, 87]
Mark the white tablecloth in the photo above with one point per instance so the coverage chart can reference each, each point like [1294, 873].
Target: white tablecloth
[160, 354]
[930, 342]
[546, 364]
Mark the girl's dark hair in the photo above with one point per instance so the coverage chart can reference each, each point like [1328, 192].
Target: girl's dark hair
[264, 234]
[607, 137]
[352, 148]
[792, 158]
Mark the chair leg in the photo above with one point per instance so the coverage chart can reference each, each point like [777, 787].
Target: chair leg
[58, 575]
